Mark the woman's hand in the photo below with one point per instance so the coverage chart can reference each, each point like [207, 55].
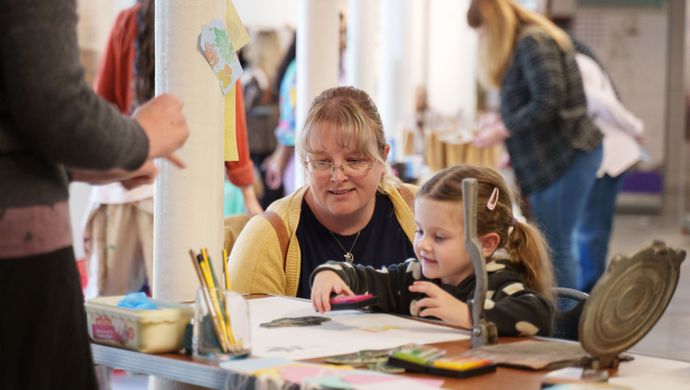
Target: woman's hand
[275, 164]
[251, 204]
[165, 125]
[325, 283]
[442, 305]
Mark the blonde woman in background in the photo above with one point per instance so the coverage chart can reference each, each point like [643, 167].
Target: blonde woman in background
[554, 147]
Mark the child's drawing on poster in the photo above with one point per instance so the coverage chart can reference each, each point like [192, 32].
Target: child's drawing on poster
[215, 45]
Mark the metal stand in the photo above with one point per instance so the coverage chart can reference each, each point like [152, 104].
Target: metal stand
[483, 332]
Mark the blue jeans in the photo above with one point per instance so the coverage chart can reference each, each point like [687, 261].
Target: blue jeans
[594, 230]
[558, 208]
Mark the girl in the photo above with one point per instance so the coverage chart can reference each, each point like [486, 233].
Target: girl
[440, 281]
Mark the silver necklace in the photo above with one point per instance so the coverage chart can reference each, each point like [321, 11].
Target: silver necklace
[348, 254]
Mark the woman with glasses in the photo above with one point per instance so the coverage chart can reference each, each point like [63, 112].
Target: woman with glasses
[350, 210]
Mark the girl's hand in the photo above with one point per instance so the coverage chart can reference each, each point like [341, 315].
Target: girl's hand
[442, 305]
[326, 282]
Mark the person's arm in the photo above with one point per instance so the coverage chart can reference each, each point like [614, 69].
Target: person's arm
[388, 285]
[56, 113]
[540, 58]
[251, 203]
[275, 165]
[115, 73]
[241, 172]
[256, 260]
[144, 175]
[518, 311]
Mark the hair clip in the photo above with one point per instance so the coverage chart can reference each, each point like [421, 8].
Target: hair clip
[493, 200]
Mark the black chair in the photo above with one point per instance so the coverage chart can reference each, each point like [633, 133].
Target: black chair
[569, 305]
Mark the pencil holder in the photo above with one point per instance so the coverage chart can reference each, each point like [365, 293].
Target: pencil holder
[221, 331]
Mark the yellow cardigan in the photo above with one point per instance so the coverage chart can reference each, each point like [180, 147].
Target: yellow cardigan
[256, 261]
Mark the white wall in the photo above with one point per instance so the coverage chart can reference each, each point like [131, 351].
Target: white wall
[96, 17]
[267, 13]
[452, 59]
[633, 45]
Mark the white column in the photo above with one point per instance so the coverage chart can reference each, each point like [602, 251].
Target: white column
[360, 55]
[188, 203]
[317, 57]
[395, 85]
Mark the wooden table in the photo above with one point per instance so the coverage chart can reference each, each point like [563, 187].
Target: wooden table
[201, 372]
[207, 373]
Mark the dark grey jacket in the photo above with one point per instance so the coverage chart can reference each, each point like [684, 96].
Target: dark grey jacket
[543, 106]
[49, 117]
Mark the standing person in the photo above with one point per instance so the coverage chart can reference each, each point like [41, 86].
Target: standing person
[440, 281]
[52, 125]
[554, 147]
[350, 208]
[118, 233]
[623, 134]
[263, 54]
[279, 166]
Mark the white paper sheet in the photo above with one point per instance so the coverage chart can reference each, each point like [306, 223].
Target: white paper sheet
[646, 372]
[348, 331]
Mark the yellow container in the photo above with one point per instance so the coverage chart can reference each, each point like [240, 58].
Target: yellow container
[152, 331]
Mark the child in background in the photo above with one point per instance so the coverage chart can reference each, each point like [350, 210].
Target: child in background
[441, 280]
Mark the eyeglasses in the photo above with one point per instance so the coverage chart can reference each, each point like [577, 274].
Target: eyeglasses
[352, 168]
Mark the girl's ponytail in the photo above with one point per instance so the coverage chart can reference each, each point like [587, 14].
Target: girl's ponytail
[529, 250]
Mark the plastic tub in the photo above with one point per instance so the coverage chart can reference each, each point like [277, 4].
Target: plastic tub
[152, 331]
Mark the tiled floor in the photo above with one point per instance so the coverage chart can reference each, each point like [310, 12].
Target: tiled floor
[669, 338]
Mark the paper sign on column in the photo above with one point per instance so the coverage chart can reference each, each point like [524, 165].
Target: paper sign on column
[230, 152]
[238, 34]
[216, 47]
[238, 38]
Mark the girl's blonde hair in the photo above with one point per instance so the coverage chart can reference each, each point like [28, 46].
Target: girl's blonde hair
[355, 120]
[502, 21]
[525, 243]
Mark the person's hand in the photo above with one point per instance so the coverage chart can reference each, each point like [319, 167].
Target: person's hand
[251, 203]
[325, 283]
[165, 125]
[275, 164]
[274, 173]
[491, 135]
[144, 175]
[440, 304]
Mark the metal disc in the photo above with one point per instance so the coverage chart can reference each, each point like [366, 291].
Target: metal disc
[629, 299]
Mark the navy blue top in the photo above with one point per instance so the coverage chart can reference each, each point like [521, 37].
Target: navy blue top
[382, 242]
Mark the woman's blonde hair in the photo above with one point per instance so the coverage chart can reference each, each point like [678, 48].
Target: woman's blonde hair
[265, 52]
[502, 21]
[355, 120]
[525, 243]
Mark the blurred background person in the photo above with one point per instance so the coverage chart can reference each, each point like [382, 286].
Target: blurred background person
[263, 55]
[623, 135]
[279, 167]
